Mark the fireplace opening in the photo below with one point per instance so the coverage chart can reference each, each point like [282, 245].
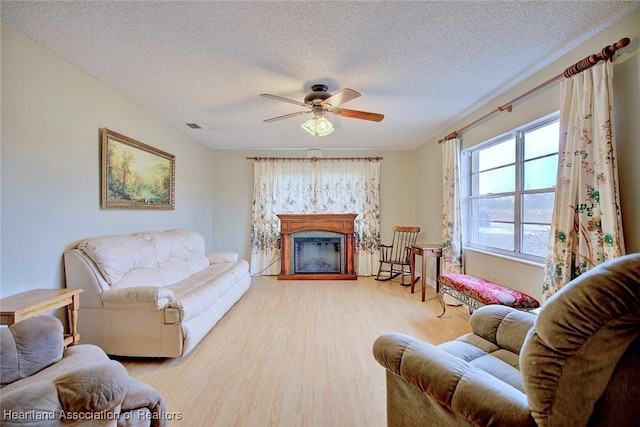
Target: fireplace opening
[317, 254]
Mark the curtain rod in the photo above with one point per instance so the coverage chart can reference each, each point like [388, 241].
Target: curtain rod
[605, 54]
[313, 159]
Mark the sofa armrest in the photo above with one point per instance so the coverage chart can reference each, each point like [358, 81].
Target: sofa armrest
[452, 382]
[421, 364]
[93, 388]
[141, 396]
[156, 295]
[222, 257]
[67, 395]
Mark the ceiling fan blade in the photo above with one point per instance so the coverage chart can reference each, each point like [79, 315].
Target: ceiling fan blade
[355, 114]
[279, 98]
[286, 116]
[340, 98]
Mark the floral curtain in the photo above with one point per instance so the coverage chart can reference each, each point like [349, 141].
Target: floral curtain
[451, 261]
[302, 186]
[586, 228]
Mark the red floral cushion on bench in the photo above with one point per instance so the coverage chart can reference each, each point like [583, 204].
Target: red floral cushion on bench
[487, 292]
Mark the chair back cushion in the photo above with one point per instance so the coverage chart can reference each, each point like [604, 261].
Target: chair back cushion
[29, 346]
[503, 326]
[580, 334]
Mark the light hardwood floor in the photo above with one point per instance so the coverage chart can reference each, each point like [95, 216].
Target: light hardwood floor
[297, 353]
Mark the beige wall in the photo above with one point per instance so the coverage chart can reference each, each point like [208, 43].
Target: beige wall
[51, 116]
[525, 276]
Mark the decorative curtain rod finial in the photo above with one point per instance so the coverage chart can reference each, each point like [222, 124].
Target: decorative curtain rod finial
[452, 135]
[605, 54]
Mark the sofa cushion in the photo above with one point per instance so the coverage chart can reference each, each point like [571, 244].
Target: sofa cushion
[222, 257]
[486, 356]
[141, 277]
[502, 365]
[494, 346]
[116, 255]
[173, 243]
[159, 258]
[201, 290]
[29, 346]
[174, 270]
[161, 242]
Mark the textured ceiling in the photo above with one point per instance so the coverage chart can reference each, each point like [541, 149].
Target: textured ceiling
[422, 64]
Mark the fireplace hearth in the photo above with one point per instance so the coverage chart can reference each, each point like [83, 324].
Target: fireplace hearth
[317, 247]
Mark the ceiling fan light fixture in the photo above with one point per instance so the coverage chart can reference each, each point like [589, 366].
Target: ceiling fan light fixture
[320, 103]
[319, 125]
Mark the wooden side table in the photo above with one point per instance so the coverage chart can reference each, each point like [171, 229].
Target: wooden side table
[425, 250]
[40, 301]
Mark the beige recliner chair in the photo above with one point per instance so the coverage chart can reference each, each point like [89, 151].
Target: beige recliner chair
[44, 384]
[575, 363]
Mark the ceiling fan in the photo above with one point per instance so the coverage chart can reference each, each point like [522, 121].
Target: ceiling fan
[319, 102]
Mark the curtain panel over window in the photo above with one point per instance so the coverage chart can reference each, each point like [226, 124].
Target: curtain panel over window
[586, 228]
[451, 214]
[314, 187]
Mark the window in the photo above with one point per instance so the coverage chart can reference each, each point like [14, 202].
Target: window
[511, 188]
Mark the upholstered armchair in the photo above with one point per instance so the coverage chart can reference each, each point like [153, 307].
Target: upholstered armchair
[574, 363]
[44, 384]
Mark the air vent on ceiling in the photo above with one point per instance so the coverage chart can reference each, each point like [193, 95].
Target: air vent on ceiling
[194, 126]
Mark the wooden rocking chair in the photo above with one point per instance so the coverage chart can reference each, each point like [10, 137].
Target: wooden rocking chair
[398, 255]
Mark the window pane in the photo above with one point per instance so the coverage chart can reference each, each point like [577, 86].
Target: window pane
[540, 173]
[493, 209]
[497, 155]
[541, 141]
[497, 181]
[537, 207]
[496, 235]
[535, 239]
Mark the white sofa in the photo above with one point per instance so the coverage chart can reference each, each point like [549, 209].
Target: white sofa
[152, 294]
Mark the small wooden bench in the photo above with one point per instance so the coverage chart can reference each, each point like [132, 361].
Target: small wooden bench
[474, 291]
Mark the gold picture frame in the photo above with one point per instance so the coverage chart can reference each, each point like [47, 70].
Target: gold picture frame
[134, 175]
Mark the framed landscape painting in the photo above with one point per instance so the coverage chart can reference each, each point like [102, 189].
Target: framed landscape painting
[134, 175]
